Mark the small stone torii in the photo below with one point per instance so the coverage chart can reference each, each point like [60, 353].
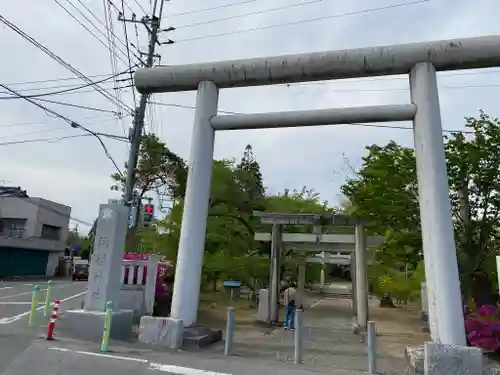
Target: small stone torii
[317, 242]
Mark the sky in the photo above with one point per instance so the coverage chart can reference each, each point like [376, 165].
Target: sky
[75, 171]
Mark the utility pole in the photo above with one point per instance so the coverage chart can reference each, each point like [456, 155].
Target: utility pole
[152, 24]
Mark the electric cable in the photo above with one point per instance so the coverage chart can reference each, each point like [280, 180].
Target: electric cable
[70, 122]
[86, 28]
[58, 59]
[211, 8]
[265, 11]
[308, 20]
[45, 121]
[79, 106]
[128, 52]
[64, 90]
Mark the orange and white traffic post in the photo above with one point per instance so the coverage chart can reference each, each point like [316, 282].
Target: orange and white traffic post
[52, 321]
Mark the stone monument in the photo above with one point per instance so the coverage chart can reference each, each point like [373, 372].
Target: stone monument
[104, 279]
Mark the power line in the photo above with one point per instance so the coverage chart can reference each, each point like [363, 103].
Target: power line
[79, 106]
[108, 19]
[59, 60]
[308, 20]
[174, 105]
[65, 90]
[34, 132]
[128, 52]
[53, 210]
[140, 6]
[51, 129]
[102, 23]
[208, 9]
[56, 80]
[45, 121]
[289, 6]
[47, 140]
[72, 123]
[85, 27]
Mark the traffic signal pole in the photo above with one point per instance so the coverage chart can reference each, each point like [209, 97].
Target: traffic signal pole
[153, 26]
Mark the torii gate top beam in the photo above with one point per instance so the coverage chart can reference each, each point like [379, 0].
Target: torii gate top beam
[455, 54]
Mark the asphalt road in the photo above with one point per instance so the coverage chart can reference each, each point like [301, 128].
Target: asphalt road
[15, 303]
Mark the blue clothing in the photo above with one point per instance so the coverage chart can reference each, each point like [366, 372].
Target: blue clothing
[290, 315]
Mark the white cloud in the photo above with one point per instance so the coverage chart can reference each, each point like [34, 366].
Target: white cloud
[76, 171]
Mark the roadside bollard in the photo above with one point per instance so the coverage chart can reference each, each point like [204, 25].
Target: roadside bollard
[48, 293]
[107, 327]
[52, 321]
[55, 305]
[298, 336]
[229, 330]
[34, 306]
[372, 348]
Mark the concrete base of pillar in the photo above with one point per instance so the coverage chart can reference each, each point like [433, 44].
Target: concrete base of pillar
[89, 325]
[438, 359]
[263, 309]
[199, 336]
[424, 316]
[162, 331]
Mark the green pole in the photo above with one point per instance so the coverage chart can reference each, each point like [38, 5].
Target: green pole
[107, 327]
[34, 306]
[48, 293]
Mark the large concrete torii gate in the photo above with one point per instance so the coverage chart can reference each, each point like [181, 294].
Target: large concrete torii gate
[419, 60]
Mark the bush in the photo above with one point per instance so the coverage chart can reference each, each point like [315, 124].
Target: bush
[483, 328]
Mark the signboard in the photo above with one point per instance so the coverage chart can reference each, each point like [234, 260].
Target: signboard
[232, 284]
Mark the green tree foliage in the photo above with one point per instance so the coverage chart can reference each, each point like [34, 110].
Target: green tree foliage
[237, 189]
[157, 167]
[385, 193]
[75, 239]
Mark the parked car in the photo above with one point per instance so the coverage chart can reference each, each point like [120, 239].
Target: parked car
[81, 272]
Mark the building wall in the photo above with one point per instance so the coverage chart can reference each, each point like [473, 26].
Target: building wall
[52, 263]
[25, 252]
[20, 208]
[37, 212]
[52, 213]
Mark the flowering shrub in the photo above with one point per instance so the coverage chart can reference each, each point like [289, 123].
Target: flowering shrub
[483, 328]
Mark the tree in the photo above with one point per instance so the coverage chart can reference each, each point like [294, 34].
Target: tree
[473, 165]
[250, 177]
[75, 240]
[157, 167]
[385, 193]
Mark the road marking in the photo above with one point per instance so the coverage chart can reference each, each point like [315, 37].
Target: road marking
[41, 290]
[172, 369]
[316, 303]
[5, 287]
[15, 318]
[101, 355]
[179, 370]
[15, 303]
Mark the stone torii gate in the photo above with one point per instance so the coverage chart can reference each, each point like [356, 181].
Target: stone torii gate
[317, 242]
[419, 60]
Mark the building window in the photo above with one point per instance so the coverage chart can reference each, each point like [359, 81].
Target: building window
[13, 228]
[51, 232]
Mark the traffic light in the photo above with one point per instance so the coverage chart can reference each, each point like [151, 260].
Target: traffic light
[148, 214]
